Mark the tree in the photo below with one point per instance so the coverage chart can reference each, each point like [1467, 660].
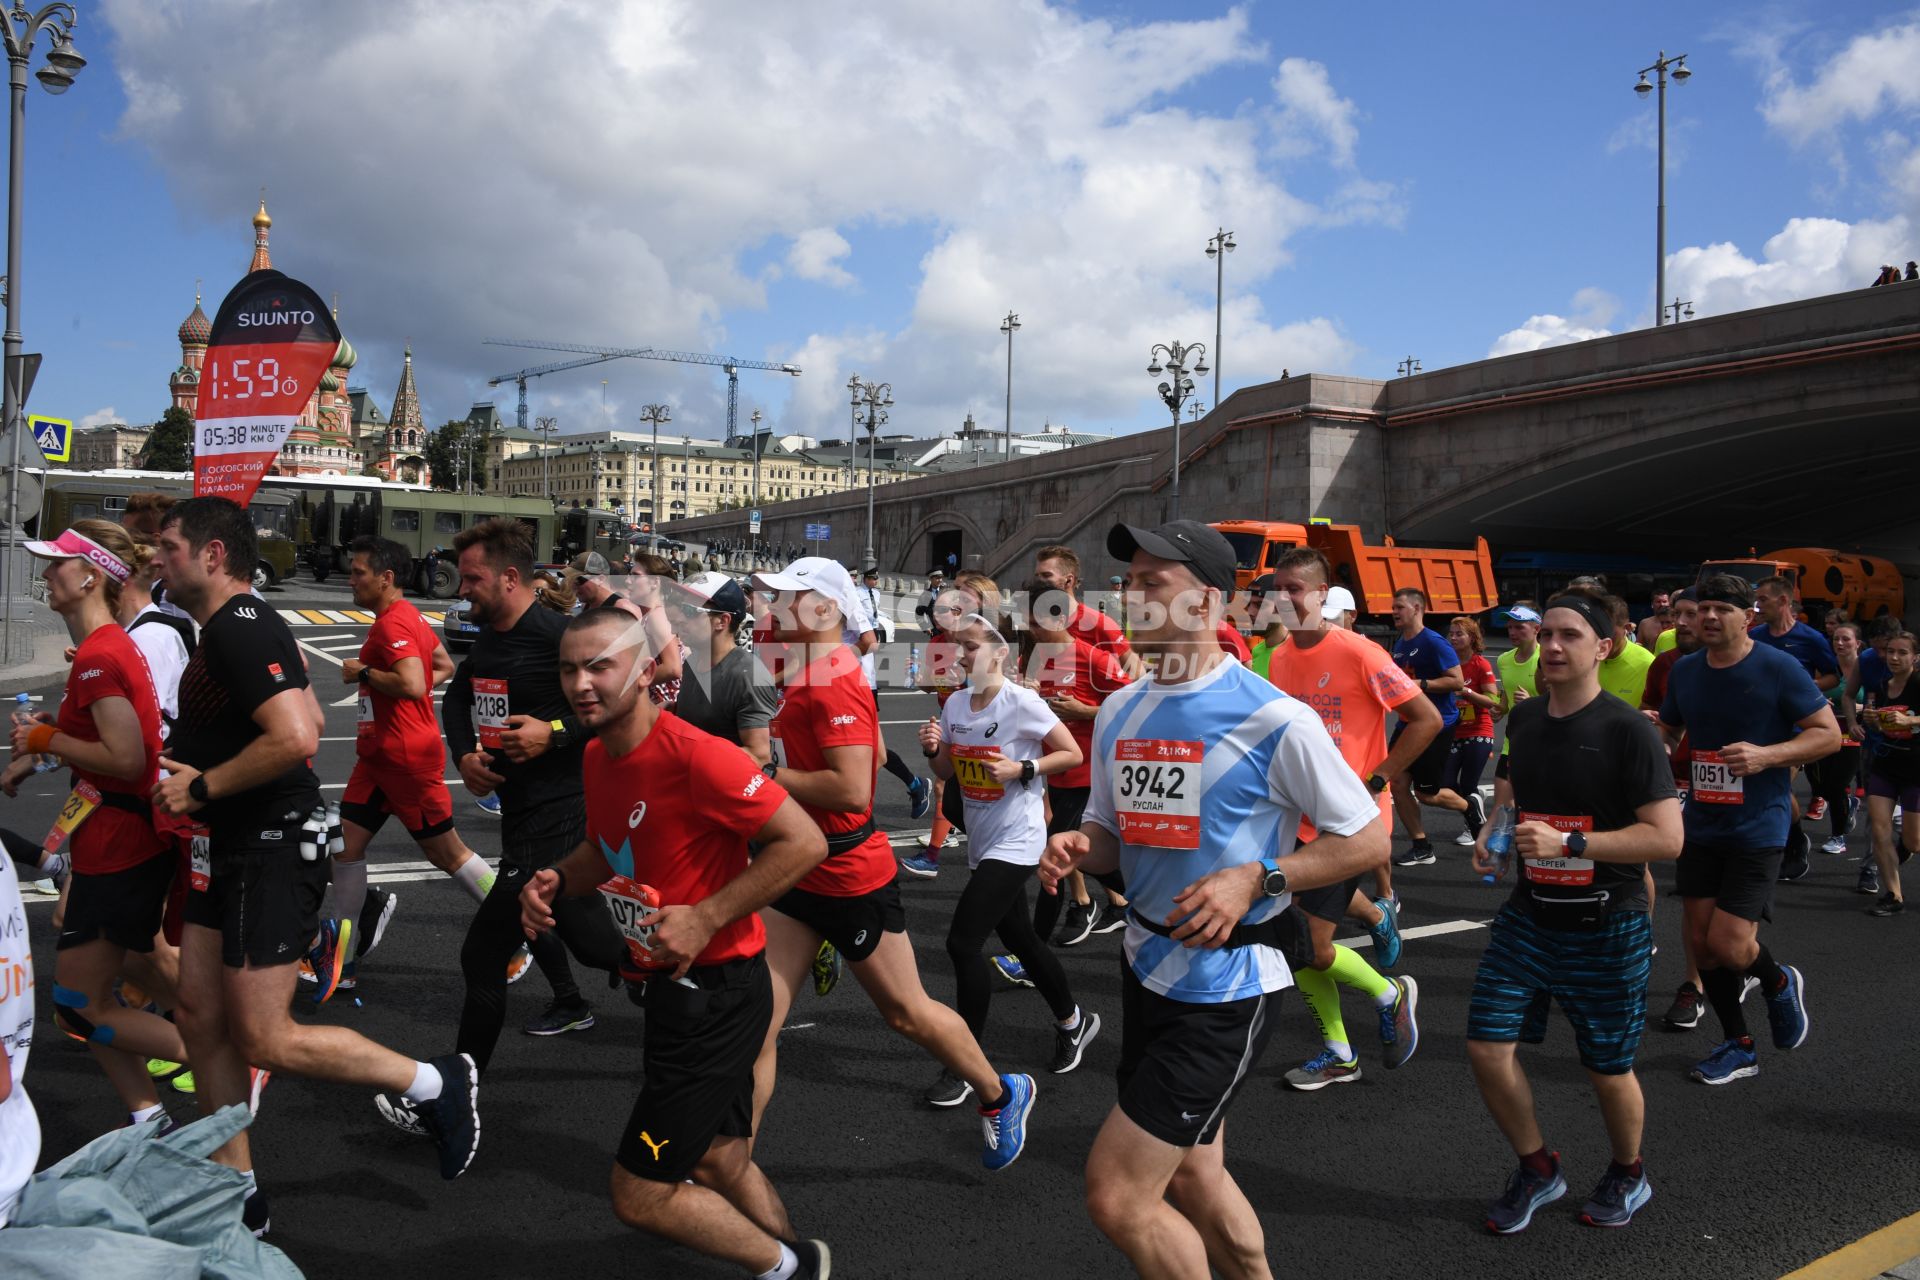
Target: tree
[170, 446]
[446, 453]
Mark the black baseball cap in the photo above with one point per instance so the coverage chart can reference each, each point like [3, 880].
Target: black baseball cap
[1200, 547]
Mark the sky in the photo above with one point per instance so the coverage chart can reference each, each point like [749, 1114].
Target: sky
[870, 188]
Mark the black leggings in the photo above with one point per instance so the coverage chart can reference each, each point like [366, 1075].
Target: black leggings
[995, 901]
[1832, 780]
[584, 924]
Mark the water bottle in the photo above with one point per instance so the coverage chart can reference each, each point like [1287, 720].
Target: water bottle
[1500, 843]
[913, 666]
[336, 838]
[313, 835]
[23, 714]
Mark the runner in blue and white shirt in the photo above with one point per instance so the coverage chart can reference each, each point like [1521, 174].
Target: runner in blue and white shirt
[1202, 776]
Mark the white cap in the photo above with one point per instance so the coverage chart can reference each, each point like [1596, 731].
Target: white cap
[817, 574]
[1339, 601]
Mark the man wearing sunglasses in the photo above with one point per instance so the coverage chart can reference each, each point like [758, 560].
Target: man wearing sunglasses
[723, 692]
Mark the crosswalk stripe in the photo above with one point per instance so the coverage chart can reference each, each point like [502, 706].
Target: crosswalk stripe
[315, 616]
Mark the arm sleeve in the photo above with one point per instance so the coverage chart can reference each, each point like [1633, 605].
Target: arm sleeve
[456, 711]
[1309, 775]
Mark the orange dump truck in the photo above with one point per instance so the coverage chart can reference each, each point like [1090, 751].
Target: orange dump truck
[1864, 586]
[1455, 581]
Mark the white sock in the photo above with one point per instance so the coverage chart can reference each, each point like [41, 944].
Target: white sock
[1072, 1023]
[251, 1180]
[789, 1264]
[475, 876]
[426, 1084]
[1340, 1049]
[1386, 998]
[349, 896]
[145, 1114]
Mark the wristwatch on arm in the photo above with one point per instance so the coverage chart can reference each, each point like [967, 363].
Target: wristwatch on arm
[1274, 883]
[1574, 842]
[1375, 783]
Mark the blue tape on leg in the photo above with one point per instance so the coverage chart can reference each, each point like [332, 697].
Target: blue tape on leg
[67, 1004]
[68, 998]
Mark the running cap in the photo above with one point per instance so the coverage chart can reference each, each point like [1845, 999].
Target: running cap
[1592, 610]
[814, 573]
[74, 545]
[1200, 547]
[590, 564]
[1725, 588]
[714, 592]
[1523, 613]
[1339, 601]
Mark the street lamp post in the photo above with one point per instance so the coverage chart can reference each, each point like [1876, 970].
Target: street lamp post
[63, 63]
[1219, 245]
[877, 397]
[547, 427]
[656, 414]
[1679, 309]
[1661, 65]
[1007, 327]
[1174, 392]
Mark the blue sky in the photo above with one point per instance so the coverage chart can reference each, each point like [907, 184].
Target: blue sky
[870, 188]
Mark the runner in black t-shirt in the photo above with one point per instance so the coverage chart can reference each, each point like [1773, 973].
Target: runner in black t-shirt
[238, 760]
[1595, 802]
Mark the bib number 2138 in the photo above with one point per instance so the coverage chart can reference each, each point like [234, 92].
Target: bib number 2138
[1156, 792]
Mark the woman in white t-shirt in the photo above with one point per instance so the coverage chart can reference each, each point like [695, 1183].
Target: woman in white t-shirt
[996, 740]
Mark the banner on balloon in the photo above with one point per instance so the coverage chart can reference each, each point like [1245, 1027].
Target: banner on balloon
[272, 340]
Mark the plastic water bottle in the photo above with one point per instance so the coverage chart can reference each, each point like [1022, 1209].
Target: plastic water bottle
[313, 835]
[23, 714]
[1500, 843]
[913, 665]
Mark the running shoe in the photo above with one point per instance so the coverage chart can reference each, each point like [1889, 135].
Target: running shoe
[1097, 912]
[1888, 905]
[1068, 1046]
[925, 865]
[816, 1263]
[1526, 1191]
[920, 790]
[1817, 810]
[1476, 813]
[161, 1069]
[257, 1078]
[1464, 839]
[374, 919]
[327, 954]
[1112, 918]
[400, 1113]
[948, 1090]
[1005, 1130]
[826, 969]
[349, 980]
[1684, 1013]
[183, 1083]
[1012, 970]
[1787, 1010]
[1834, 844]
[453, 1118]
[255, 1214]
[1386, 938]
[951, 842]
[1614, 1202]
[488, 804]
[1321, 1070]
[1853, 813]
[1419, 854]
[1794, 864]
[1869, 881]
[558, 1019]
[1076, 922]
[1729, 1061]
[1399, 1030]
[518, 963]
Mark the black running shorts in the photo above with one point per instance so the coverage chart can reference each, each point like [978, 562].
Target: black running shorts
[1430, 766]
[698, 1055]
[852, 925]
[1740, 881]
[261, 895]
[1329, 902]
[1181, 1063]
[122, 907]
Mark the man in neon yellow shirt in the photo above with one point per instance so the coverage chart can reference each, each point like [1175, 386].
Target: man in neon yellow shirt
[1516, 671]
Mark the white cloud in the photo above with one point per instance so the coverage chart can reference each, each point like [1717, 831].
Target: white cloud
[1311, 113]
[99, 418]
[816, 255]
[1591, 311]
[1810, 256]
[1876, 72]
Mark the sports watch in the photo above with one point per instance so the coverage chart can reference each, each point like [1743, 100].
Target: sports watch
[1274, 883]
[559, 738]
[1027, 771]
[197, 789]
[770, 768]
[1575, 843]
[1376, 783]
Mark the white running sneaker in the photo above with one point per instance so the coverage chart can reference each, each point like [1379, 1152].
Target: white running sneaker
[1465, 841]
[1834, 844]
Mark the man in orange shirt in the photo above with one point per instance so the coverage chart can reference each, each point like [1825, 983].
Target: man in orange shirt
[1351, 683]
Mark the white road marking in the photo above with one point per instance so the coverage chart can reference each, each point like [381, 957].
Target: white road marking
[1422, 931]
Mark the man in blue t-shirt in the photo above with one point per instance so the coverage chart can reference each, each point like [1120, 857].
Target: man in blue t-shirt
[1430, 661]
[1750, 714]
[1780, 626]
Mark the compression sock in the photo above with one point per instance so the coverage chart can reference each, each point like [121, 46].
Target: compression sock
[475, 876]
[349, 895]
[938, 837]
[1349, 969]
[426, 1084]
[789, 1265]
[1769, 973]
[1323, 1002]
[1541, 1164]
[1723, 993]
[898, 768]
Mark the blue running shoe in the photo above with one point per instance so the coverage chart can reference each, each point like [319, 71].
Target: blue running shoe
[489, 804]
[921, 792]
[1615, 1201]
[1729, 1061]
[1006, 1129]
[925, 865]
[1787, 1010]
[1386, 935]
[1526, 1191]
[329, 956]
[1010, 968]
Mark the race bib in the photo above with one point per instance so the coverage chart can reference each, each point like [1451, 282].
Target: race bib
[1156, 792]
[364, 725]
[630, 901]
[200, 863]
[490, 710]
[1560, 870]
[971, 771]
[1713, 781]
[80, 804]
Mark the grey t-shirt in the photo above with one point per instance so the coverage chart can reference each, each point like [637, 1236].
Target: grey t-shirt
[738, 693]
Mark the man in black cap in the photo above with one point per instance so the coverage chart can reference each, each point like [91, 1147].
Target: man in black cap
[1210, 859]
[724, 691]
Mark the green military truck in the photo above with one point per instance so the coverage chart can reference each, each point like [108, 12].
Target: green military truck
[276, 513]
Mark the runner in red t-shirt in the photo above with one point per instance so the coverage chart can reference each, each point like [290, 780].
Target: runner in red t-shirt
[401, 769]
[108, 731]
[1059, 568]
[826, 752]
[669, 813]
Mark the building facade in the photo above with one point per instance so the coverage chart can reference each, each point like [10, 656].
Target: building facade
[113, 445]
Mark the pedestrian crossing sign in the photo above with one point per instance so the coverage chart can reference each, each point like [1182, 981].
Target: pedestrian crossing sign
[54, 436]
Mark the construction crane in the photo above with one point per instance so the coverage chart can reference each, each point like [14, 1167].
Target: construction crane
[732, 364]
[520, 378]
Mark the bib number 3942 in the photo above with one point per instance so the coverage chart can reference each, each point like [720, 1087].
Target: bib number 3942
[490, 711]
[1713, 781]
[1156, 792]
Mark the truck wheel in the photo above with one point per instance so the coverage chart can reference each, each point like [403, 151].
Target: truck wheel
[321, 569]
[262, 576]
[445, 580]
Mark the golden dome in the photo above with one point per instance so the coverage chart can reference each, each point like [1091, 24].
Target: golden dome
[261, 219]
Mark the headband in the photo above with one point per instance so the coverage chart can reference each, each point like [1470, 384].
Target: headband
[1739, 598]
[1592, 610]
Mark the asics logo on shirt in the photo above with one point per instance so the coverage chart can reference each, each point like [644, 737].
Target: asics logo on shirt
[993, 728]
[1324, 677]
[639, 812]
[860, 938]
[655, 1147]
[246, 611]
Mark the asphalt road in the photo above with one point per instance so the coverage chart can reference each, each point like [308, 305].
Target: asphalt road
[1388, 1176]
